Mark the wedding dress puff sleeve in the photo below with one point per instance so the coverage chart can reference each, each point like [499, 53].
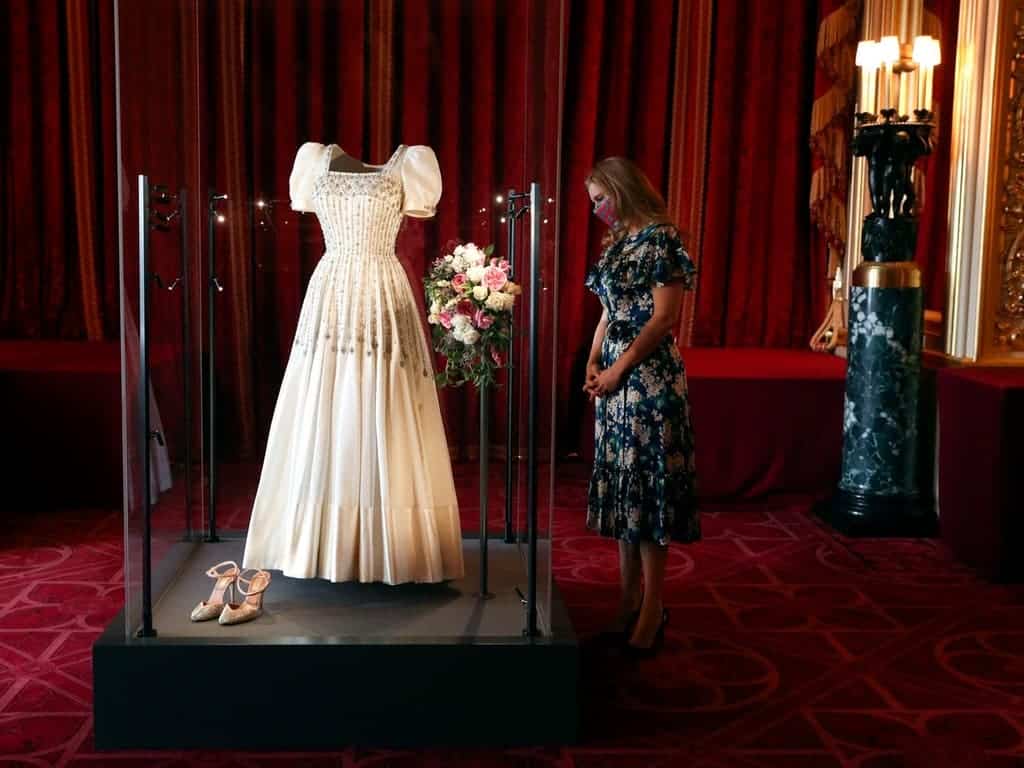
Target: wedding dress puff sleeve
[421, 182]
[300, 183]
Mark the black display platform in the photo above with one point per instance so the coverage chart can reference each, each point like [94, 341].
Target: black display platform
[331, 665]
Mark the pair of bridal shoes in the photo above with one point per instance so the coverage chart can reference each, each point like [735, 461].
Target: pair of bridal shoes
[248, 584]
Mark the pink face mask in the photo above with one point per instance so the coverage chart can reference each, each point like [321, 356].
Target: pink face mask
[605, 211]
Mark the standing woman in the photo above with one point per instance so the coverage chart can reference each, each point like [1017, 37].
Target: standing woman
[642, 488]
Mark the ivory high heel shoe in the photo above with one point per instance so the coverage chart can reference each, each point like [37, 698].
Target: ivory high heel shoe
[252, 606]
[225, 574]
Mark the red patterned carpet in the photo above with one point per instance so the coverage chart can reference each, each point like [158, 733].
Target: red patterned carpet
[788, 647]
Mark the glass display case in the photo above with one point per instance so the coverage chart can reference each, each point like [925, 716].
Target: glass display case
[214, 101]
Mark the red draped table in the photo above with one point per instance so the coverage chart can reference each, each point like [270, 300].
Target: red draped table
[766, 420]
[981, 455]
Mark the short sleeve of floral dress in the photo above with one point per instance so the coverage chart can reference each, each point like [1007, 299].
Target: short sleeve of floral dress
[643, 484]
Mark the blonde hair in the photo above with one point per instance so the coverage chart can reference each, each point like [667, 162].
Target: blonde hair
[636, 200]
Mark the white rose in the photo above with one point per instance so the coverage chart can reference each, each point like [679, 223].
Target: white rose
[459, 250]
[471, 336]
[448, 257]
[441, 283]
[461, 321]
[480, 292]
[459, 263]
[435, 308]
[433, 319]
[509, 300]
[475, 274]
[475, 256]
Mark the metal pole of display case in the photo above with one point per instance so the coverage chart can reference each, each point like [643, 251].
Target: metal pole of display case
[213, 288]
[142, 395]
[510, 378]
[512, 215]
[484, 470]
[531, 429]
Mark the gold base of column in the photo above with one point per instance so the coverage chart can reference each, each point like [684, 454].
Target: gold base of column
[887, 274]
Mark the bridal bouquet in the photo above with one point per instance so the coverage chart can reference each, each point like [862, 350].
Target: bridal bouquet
[470, 298]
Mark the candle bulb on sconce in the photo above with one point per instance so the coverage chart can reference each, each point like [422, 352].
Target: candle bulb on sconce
[928, 55]
[867, 60]
[909, 92]
[889, 53]
[897, 76]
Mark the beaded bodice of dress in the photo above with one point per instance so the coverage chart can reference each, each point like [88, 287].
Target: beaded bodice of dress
[365, 305]
[359, 212]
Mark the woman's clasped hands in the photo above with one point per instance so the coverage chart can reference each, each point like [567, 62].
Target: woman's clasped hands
[602, 382]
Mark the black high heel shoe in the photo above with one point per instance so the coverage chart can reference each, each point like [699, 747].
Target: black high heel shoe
[618, 636]
[636, 652]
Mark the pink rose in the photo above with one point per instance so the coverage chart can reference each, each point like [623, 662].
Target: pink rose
[504, 266]
[458, 281]
[482, 320]
[495, 357]
[495, 278]
[446, 319]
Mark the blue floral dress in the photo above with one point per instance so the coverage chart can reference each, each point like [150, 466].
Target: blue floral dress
[642, 487]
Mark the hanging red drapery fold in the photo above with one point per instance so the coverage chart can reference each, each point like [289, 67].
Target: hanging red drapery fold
[233, 172]
[81, 115]
[381, 53]
[756, 281]
[688, 139]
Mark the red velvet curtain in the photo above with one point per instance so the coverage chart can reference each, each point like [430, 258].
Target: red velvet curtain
[58, 255]
[757, 283]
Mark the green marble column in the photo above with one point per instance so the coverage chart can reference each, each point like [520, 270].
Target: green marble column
[883, 369]
[878, 493]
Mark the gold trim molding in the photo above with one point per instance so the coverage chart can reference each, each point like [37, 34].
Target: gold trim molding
[972, 188]
[1003, 297]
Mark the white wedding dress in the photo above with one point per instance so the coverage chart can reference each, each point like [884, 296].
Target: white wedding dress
[357, 481]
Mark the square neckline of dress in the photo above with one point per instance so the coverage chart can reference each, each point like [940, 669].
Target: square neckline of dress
[377, 169]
